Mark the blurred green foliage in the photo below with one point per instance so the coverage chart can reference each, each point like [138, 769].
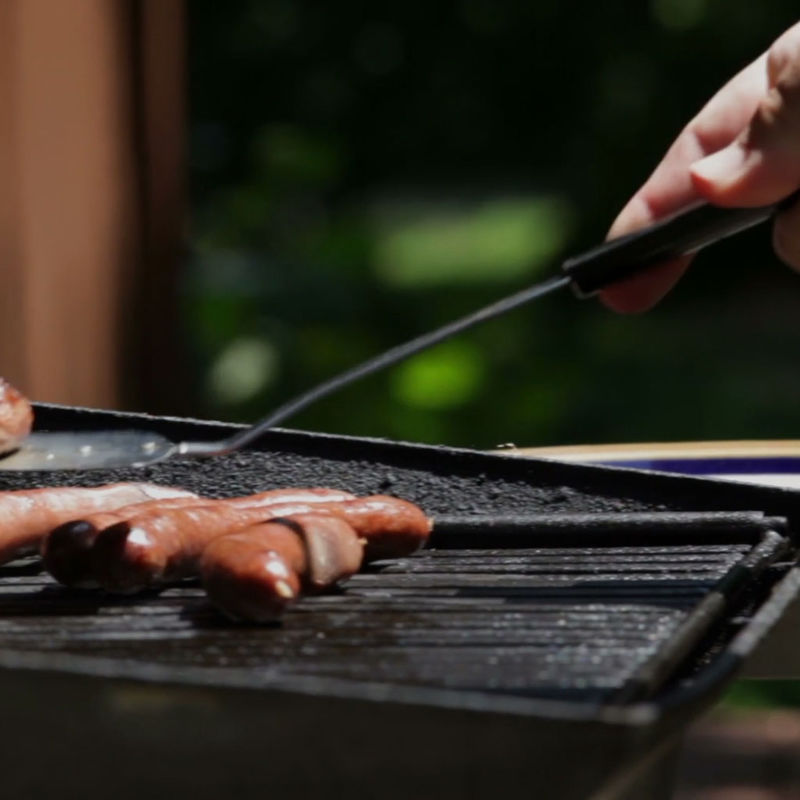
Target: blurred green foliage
[429, 246]
[749, 694]
[362, 172]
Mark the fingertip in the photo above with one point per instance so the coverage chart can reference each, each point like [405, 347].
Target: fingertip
[730, 191]
[716, 177]
[641, 292]
[622, 301]
[736, 178]
[704, 185]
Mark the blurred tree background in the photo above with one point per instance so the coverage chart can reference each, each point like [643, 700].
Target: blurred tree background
[363, 172]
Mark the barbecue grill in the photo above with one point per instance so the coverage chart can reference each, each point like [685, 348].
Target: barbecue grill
[562, 628]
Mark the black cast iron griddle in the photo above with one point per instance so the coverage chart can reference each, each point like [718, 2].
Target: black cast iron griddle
[487, 661]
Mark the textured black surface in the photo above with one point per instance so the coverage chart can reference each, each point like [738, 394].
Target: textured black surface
[440, 479]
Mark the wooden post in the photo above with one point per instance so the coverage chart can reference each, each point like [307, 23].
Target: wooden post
[91, 130]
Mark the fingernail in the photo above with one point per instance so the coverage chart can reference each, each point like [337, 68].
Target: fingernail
[723, 167]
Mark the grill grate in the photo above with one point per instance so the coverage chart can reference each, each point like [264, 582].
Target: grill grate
[581, 623]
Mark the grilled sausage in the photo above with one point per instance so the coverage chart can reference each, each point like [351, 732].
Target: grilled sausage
[256, 573]
[27, 516]
[67, 550]
[391, 527]
[162, 546]
[156, 547]
[333, 548]
[16, 417]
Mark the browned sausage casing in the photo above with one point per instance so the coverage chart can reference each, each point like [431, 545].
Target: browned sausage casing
[154, 547]
[27, 516]
[67, 550]
[16, 417]
[256, 573]
[333, 548]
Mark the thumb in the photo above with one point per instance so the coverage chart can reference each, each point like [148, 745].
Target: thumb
[762, 165]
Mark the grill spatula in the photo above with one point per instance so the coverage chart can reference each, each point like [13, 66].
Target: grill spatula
[587, 273]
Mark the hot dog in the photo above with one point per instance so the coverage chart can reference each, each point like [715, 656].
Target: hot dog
[334, 550]
[67, 550]
[256, 573]
[27, 516]
[151, 548]
[16, 417]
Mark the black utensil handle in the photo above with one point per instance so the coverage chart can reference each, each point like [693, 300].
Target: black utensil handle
[685, 232]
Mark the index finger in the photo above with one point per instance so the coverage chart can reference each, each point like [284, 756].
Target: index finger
[670, 188]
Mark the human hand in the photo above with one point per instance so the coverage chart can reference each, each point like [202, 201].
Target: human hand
[741, 150]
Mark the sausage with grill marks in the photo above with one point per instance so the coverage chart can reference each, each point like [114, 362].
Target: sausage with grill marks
[26, 516]
[257, 573]
[16, 417]
[156, 547]
[67, 550]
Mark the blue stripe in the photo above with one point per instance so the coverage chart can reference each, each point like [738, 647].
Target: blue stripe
[703, 466]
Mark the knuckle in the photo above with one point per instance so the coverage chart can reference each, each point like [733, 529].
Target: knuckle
[698, 138]
[788, 83]
[784, 55]
[777, 58]
[770, 109]
[778, 114]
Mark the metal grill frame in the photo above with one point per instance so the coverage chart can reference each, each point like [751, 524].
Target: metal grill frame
[542, 609]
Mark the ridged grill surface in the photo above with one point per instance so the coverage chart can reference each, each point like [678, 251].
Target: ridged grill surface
[571, 623]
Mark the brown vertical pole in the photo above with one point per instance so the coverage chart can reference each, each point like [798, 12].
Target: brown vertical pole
[75, 216]
[155, 379]
[12, 344]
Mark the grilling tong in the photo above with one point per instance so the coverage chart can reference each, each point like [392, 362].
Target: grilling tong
[588, 273]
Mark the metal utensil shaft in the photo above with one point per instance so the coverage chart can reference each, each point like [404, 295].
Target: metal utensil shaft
[379, 362]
